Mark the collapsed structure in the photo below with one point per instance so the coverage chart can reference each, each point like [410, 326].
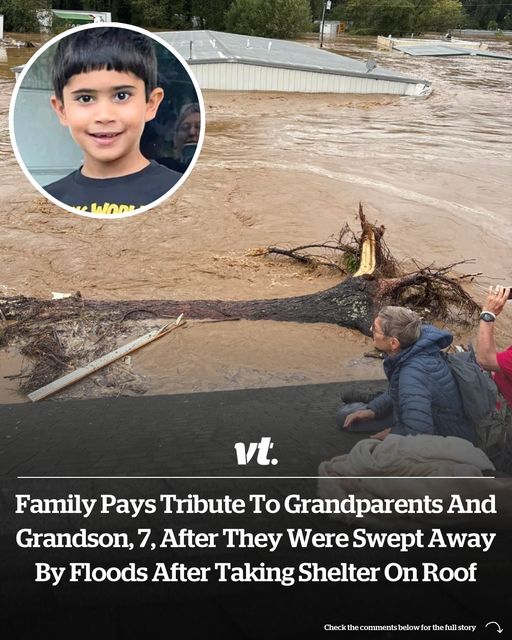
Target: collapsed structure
[444, 47]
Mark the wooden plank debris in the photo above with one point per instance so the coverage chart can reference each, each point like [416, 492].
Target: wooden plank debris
[99, 363]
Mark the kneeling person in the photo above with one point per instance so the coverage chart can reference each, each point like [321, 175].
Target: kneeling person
[422, 397]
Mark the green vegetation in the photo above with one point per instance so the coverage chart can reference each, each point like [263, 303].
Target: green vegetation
[417, 16]
[271, 18]
[211, 13]
[350, 262]
[277, 18]
[400, 17]
[20, 15]
[161, 14]
[392, 16]
[483, 14]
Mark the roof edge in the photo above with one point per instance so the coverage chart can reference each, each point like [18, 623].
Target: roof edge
[335, 72]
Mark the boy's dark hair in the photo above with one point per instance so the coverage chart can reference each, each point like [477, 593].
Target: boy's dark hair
[110, 48]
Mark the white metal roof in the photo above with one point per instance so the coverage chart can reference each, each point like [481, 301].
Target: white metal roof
[210, 47]
[447, 50]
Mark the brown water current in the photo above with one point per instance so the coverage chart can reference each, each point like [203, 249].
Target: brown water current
[281, 169]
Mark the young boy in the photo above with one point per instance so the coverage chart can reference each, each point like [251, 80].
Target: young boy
[104, 81]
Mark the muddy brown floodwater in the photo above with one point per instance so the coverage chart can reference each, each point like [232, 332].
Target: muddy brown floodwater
[283, 169]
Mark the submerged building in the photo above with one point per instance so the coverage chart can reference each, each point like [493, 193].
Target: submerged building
[444, 47]
[232, 62]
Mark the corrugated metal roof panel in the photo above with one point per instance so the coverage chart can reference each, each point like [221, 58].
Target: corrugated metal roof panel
[494, 54]
[447, 50]
[248, 77]
[215, 46]
[434, 50]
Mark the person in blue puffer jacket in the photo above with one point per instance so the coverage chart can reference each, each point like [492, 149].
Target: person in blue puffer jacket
[422, 397]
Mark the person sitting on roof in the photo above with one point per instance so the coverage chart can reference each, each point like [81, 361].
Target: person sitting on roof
[422, 397]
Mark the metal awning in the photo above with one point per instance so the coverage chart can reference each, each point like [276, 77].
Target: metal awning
[75, 17]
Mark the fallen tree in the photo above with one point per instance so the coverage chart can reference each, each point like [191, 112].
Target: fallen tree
[375, 280]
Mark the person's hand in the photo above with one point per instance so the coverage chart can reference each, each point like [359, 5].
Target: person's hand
[362, 414]
[496, 299]
[381, 434]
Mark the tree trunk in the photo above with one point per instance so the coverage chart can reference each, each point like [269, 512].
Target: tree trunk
[349, 304]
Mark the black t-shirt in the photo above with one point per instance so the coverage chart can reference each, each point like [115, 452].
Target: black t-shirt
[114, 195]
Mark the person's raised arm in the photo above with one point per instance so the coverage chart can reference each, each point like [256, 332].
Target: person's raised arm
[486, 344]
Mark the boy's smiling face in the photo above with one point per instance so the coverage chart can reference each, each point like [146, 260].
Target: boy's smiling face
[106, 112]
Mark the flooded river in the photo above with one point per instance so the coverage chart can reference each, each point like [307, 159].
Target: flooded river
[284, 169]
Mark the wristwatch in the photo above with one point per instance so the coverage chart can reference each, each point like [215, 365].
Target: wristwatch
[487, 316]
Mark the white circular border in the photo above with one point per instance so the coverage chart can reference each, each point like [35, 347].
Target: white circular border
[27, 173]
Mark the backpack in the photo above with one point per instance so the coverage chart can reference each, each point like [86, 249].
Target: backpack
[494, 437]
[479, 395]
[477, 389]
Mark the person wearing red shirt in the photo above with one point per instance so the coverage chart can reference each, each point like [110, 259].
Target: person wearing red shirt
[488, 357]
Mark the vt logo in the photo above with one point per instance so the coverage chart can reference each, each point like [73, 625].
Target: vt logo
[245, 454]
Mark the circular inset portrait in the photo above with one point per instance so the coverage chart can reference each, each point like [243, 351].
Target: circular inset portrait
[106, 121]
